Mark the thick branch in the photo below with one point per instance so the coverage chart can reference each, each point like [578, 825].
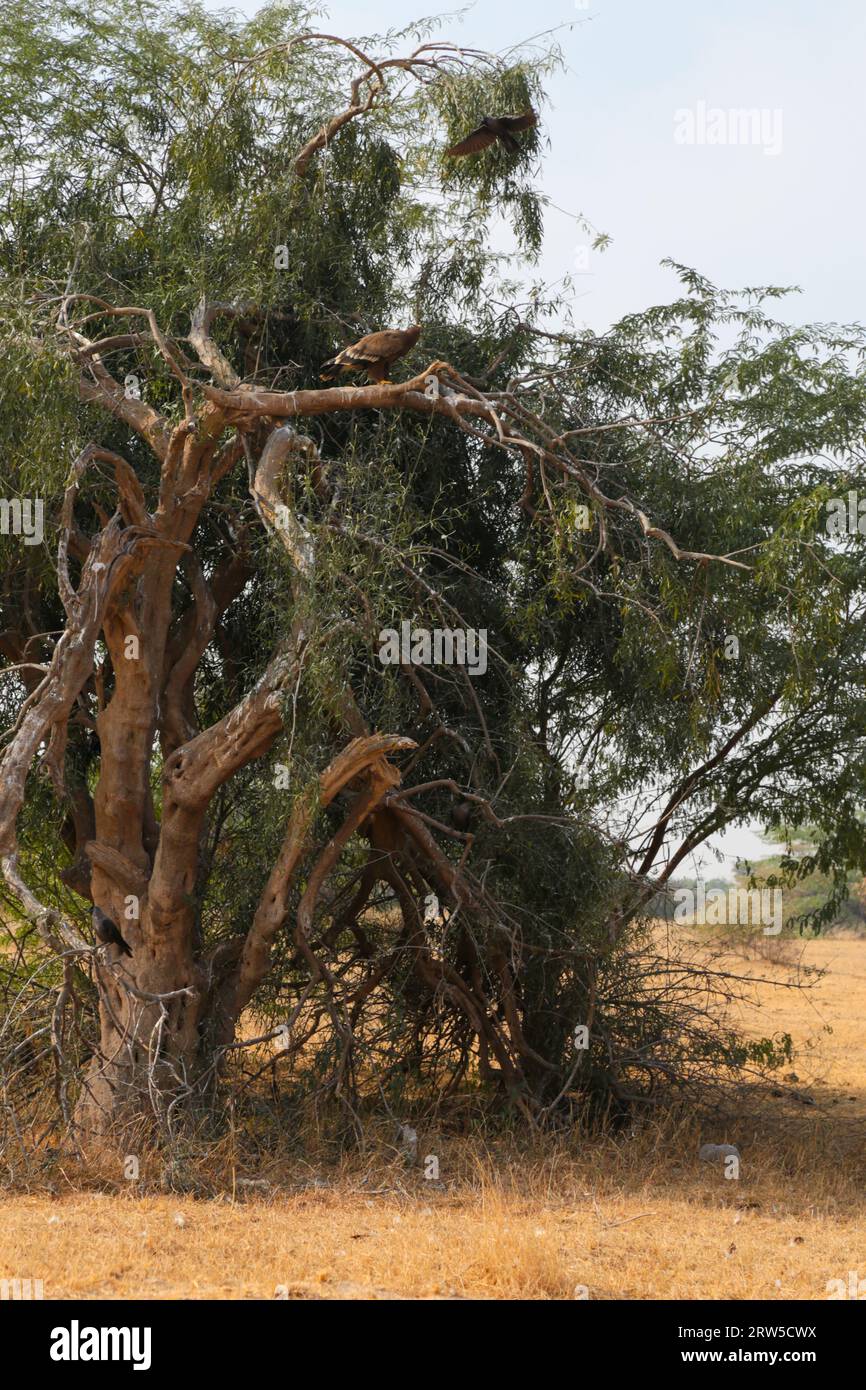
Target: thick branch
[199, 335]
[127, 875]
[115, 556]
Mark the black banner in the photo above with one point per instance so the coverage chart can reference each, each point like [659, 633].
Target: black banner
[82, 1339]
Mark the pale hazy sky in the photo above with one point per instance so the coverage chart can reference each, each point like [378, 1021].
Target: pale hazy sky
[737, 214]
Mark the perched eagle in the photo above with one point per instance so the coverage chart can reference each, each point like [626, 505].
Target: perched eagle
[107, 932]
[375, 354]
[494, 128]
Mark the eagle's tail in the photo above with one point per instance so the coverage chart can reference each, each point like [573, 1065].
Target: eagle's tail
[509, 142]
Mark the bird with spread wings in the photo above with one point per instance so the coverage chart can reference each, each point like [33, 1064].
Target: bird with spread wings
[375, 354]
[491, 129]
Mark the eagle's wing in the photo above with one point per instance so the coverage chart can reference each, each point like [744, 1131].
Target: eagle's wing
[478, 140]
[385, 347]
[372, 354]
[523, 122]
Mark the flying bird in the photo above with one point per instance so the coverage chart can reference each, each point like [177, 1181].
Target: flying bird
[107, 932]
[375, 354]
[491, 129]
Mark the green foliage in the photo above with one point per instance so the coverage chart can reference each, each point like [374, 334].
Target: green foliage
[496, 177]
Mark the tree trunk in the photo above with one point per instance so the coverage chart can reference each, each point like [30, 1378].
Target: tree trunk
[150, 1062]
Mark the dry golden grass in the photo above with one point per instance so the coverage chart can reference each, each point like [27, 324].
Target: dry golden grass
[633, 1217]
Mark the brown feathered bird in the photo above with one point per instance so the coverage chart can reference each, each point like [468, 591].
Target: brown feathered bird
[494, 128]
[375, 354]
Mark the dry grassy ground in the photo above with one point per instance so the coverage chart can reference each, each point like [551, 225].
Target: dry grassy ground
[634, 1217]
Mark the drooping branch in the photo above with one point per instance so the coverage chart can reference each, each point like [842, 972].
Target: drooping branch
[362, 756]
[293, 534]
[429, 393]
[195, 770]
[208, 351]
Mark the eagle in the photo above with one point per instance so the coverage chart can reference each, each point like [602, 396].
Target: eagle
[491, 129]
[375, 354]
[107, 932]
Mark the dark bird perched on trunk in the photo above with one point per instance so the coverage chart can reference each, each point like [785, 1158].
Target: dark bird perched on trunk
[493, 128]
[375, 354]
[107, 931]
